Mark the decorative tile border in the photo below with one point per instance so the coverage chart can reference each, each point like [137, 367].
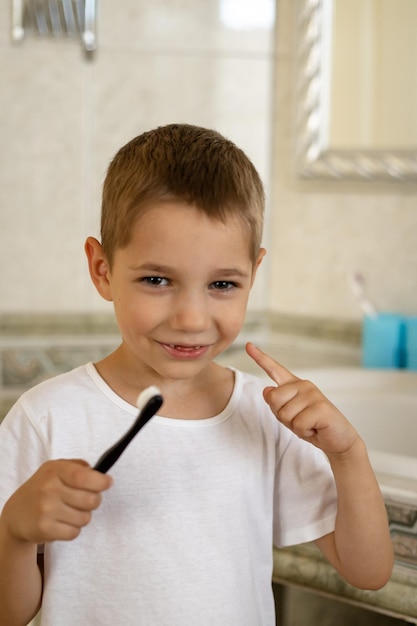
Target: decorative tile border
[305, 566]
[18, 325]
[36, 347]
[403, 529]
[26, 365]
[28, 325]
[345, 331]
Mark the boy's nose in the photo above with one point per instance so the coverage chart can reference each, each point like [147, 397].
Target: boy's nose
[191, 313]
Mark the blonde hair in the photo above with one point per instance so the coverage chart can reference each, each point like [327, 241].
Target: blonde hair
[186, 163]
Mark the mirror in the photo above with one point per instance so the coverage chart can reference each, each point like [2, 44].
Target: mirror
[356, 97]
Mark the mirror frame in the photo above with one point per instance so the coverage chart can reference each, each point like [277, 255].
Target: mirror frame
[314, 158]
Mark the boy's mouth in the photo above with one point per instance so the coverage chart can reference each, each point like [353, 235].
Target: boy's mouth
[181, 351]
[185, 348]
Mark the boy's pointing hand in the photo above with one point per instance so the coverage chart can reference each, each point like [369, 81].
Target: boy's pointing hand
[302, 407]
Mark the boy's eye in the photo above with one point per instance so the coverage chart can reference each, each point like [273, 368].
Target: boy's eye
[223, 285]
[155, 281]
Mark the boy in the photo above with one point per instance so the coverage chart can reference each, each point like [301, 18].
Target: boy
[182, 532]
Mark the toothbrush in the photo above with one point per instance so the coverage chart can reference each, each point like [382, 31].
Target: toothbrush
[357, 285]
[148, 403]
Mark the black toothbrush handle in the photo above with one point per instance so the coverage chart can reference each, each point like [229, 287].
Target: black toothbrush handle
[111, 455]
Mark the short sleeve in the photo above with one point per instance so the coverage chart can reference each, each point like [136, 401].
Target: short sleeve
[305, 498]
[22, 451]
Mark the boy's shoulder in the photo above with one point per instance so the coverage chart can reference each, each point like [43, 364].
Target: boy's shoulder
[248, 393]
[60, 386]
[250, 382]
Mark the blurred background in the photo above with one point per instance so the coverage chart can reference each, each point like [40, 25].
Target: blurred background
[225, 64]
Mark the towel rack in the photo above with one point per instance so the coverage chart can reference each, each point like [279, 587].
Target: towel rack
[55, 18]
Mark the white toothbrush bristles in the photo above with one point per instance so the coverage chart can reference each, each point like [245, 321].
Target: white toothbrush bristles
[146, 395]
[357, 285]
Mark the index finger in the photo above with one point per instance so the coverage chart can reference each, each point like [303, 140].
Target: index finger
[277, 372]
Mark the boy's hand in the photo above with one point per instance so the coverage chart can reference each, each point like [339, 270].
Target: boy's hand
[301, 406]
[56, 502]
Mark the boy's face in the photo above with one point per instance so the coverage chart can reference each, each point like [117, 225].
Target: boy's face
[180, 289]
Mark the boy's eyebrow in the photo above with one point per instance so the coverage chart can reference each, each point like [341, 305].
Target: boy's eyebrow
[165, 269]
[150, 267]
[232, 271]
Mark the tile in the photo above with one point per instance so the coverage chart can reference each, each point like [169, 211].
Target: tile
[340, 234]
[187, 25]
[42, 175]
[6, 22]
[62, 119]
[134, 95]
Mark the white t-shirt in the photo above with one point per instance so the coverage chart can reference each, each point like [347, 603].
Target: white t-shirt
[184, 537]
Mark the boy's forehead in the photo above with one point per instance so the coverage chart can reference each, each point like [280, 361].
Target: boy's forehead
[157, 214]
[185, 224]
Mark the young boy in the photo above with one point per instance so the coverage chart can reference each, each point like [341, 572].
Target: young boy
[181, 533]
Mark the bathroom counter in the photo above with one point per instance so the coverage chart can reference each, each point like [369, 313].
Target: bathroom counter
[305, 566]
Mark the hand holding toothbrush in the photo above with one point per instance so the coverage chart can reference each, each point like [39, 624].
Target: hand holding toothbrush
[55, 503]
[60, 497]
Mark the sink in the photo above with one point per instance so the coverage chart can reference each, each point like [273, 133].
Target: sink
[382, 406]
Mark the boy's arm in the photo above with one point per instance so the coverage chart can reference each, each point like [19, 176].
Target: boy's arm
[20, 580]
[54, 504]
[360, 548]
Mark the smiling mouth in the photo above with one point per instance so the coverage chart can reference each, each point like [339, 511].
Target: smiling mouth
[185, 348]
[184, 351]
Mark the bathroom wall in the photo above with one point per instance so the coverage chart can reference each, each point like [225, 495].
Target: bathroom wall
[62, 118]
[322, 231]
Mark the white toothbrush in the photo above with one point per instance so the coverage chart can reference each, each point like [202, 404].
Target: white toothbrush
[357, 285]
[148, 403]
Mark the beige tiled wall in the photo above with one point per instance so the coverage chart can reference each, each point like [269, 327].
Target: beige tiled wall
[62, 119]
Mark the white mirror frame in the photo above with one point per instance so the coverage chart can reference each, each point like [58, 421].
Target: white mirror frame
[315, 159]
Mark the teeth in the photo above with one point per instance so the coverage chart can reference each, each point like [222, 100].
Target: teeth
[174, 345]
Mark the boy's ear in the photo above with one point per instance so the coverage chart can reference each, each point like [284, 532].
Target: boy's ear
[261, 255]
[98, 267]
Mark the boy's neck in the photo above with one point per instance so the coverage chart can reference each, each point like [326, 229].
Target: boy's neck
[196, 398]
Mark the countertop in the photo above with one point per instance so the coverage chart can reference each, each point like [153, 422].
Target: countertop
[305, 566]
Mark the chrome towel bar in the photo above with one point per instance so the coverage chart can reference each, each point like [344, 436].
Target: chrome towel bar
[55, 18]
